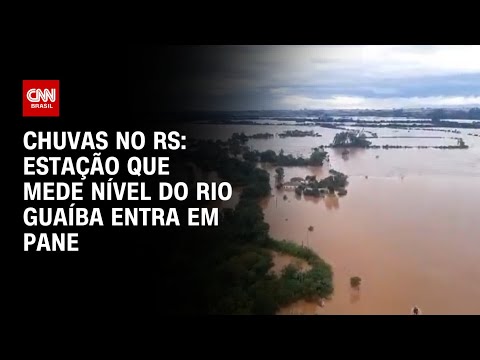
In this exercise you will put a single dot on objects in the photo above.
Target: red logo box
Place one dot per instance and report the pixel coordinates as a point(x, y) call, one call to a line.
point(41, 98)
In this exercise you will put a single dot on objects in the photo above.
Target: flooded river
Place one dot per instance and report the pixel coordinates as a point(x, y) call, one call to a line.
point(409, 225)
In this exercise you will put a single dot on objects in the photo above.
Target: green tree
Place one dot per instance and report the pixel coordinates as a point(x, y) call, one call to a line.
point(317, 157)
point(280, 174)
point(350, 139)
point(268, 156)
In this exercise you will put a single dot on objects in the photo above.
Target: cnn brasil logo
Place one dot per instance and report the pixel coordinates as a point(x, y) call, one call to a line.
point(41, 98)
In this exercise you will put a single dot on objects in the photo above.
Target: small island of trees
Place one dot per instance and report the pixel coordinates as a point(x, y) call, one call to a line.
point(350, 139)
point(336, 181)
point(317, 157)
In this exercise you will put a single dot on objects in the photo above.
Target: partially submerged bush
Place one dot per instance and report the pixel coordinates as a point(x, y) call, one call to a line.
point(355, 281)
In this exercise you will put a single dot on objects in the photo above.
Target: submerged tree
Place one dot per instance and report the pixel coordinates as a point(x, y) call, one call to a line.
point(310, 229)
point(355, 281)
point(461, 143)
point(280, 174)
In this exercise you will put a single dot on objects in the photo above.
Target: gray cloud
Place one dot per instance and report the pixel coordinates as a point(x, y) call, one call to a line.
point(279, 77)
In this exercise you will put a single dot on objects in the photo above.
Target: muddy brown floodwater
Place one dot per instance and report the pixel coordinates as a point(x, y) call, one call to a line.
point(413, 241)
point(409, 225)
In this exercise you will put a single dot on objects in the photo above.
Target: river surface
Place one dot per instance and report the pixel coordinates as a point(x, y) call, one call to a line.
point(409, 225)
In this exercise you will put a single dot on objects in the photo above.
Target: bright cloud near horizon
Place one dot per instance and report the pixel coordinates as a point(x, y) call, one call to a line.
point(342, 77)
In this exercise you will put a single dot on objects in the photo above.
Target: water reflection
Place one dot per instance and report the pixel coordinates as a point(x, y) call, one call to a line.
point(347, 154)
point(331, 202)
point(313, 199)
point(354, 295)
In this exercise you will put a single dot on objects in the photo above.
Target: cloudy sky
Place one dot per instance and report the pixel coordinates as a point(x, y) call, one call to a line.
point(339, 77)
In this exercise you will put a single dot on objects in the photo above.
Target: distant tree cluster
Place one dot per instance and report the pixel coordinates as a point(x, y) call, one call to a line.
point(434, 114)
point(350, 139)
point(261, 136)
point(298, 133)
point(439, 114)
point(317, 158)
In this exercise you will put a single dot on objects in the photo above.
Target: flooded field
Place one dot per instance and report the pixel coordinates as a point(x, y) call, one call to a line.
point(412, 241)
point(409, 225)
